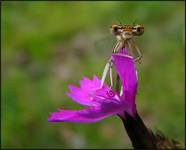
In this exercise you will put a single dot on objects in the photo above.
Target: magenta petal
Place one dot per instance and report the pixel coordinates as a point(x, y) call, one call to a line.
point(85, 95)
point(96, 81)
point(86, 84)
point(89, 85)
point(123, 51)
point(125, 68)
point(91, 114)
point(79, 96)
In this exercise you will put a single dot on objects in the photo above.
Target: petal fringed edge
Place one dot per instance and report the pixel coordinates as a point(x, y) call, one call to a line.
point(79, 96)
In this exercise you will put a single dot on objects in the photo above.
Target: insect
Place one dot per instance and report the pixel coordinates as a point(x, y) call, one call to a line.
point(124, 35)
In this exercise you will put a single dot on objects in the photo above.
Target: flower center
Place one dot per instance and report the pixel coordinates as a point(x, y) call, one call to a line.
point(110, 93)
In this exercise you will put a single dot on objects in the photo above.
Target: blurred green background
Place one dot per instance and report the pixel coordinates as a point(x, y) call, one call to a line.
point(48, 45)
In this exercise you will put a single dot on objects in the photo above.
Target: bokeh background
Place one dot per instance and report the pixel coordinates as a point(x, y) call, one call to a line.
point(48, 45)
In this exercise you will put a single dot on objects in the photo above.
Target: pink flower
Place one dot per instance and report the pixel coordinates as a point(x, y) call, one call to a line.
point(101, 101)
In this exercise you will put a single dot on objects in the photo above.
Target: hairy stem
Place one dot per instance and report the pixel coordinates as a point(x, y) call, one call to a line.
point(139, 134)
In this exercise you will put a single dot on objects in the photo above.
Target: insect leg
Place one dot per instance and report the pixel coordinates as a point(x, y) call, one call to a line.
point(117, 47)
point(138, 51)
point(105, 71)
point(139, 54)
point(121, 90)
point(111, 79)
point(129, 47)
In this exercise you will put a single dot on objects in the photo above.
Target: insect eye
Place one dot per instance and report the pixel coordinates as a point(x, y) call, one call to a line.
point(115, 29)
point(138, 29)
